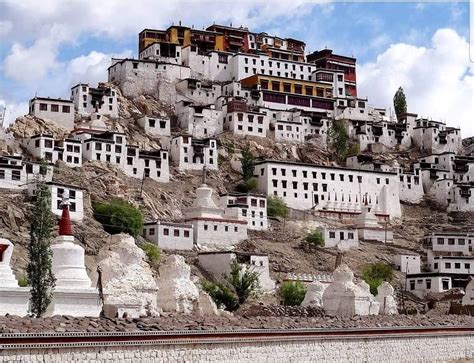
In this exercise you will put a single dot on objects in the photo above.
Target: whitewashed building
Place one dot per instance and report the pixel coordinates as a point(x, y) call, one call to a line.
point(242, 119)
point(308, 186)
point(155, 125)
point(74, 194)
point(101, 100)
point(450, 263)
point(18, 174)
point(170, 235)
point(197, 92)
point(248, 207)
point(409, 264)
point(163, 52)
point(342, 238)
point(189, 153)
point(60, 111)
point(200, 121)
point(422, 284)
point(219, 265)
point(45, 147)
point(450, 241)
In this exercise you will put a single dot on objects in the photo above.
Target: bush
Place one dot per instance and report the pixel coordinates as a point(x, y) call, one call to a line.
point(376, 273)
point(222, 295)
point(354, 149)
point(339, 139)
point(276, 207)
point(292, 293)
point(118, 216)
point(247, 186)
point(244, 281)
point(23, 281)
point(153, 252)
point(315, 238)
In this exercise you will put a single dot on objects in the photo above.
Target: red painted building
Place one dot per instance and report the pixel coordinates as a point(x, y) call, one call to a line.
point(326, 59)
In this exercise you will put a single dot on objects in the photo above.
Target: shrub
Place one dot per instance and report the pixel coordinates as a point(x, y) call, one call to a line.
point(23, 281)
point(292, 293)
point(152, 252)
point(222, 295)
point(315, 238)
point(247, 163)
point(118, 216)
point(376, 273)
point(247, 186)
point(276, 207)
point(354, 149)
point(244, 281)
point(230, 147)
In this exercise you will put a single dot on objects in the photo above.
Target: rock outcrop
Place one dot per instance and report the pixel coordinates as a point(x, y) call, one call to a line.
point(129, 287)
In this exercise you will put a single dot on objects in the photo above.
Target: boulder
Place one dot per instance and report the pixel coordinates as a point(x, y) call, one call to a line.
point(177, 292)
point(468, 298)
point(129, 286)
point(386, 299)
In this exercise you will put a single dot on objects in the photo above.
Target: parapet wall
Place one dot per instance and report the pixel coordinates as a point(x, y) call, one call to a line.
point(398, 347)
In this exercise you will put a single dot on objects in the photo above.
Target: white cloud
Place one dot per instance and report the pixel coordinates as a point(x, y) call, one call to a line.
point(438, 80)
point(12, 110)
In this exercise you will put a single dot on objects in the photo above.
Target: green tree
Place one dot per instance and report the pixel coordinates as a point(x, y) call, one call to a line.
point(247, 161)
point(315, 238)
point(276, 207)
point(221, 294)
point(39, 269)
point(339, 139)
point(400, 103)
point(243, 280)
point(376, 273)
point(247, 186)
point(118, 216)
point(292, 293)
point(153, 252)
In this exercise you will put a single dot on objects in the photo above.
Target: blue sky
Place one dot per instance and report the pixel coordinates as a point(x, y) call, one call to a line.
point(47, 49)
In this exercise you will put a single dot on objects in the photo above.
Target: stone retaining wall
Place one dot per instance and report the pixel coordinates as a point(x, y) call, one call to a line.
point(387, 349)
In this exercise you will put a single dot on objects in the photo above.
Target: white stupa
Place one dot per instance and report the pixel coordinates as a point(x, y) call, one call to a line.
point(73, 294)
point(13, 299)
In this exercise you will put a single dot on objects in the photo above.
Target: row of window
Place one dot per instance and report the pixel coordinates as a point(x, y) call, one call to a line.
point(451, 241)
point(166, 232)
point(215, 227)
point(54, 108)
point(270, 64)
point(457, 265)
point(314, 174)
point(16, 174)
point(278, 73)
point(332, 235)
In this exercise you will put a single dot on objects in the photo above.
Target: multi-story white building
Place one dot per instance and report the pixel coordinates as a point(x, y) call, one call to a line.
point(243, 120)
point(61, 112)
point(163, 52)
point(169, 235)
point(101, 100)
point(45, 147)
point(219, 263)
point(248, 207)
point(74, 194)
point(188, 153)
point(199, 121)
point(308, 186)
point(137, 77)
point(18, 174)
point(111, 147)
point(433, 136)
point(197, 92)
point(450, 241)
point(155, 126)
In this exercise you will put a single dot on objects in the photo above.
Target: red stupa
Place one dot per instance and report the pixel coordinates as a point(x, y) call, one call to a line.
point(65, 225)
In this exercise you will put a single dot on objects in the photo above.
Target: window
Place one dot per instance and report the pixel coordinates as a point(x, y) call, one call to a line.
point(43, 107)
point(206, 227)
point(236, 229)
point(176, 232)
point(350, 235)
point(457, 265)
point(450, 241)
point(440, 241)
point(447, 264)
point(151, 231)
point(428, 284)
point(461, 242)
point(166, 231)
point(332, 234)
point(186, 234)
point(54, 108)
point(98, 146)
point(2, 174)
point(151, 122)
point(412, 284)
point(16, 175)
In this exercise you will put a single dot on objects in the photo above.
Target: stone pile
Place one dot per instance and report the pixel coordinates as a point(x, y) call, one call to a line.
point(60, 324)
point(282, 311)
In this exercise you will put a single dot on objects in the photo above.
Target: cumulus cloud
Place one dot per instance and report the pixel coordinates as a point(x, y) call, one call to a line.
point(12, 110)
point(438, 80)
